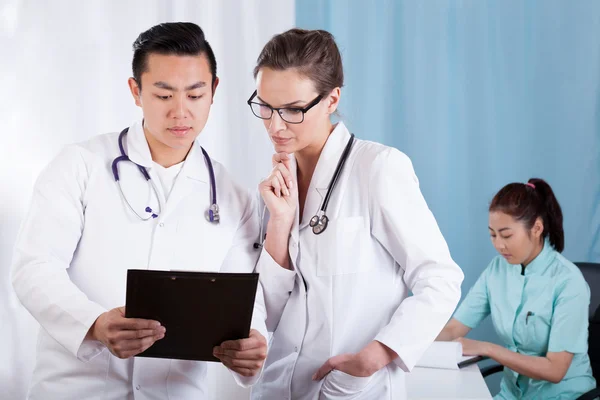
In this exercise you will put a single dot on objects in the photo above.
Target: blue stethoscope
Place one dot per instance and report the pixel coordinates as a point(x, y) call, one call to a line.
point(212, 214)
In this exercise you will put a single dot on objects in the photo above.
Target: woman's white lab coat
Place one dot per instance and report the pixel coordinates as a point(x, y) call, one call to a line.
point(77, 242)
point(350, 285)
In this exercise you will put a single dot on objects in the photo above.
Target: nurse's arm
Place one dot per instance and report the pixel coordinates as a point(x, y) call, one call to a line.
point(453, 330)
point(551, 368)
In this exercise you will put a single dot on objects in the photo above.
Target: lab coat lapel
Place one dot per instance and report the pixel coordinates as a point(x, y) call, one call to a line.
point(137, 146)
point(317, 190)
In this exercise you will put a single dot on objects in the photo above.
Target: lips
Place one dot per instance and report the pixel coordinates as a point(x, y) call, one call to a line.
point(280, 140)
point(179, 130)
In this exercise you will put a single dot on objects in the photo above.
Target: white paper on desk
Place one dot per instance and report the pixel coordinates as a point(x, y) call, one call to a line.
point(445, 355)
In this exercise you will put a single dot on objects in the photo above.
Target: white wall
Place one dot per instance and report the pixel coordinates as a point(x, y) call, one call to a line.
point(63, 78)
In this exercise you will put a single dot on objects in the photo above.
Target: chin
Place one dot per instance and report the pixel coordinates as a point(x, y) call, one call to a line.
point(288, 148)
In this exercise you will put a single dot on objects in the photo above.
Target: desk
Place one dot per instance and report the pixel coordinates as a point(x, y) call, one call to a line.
point(447, 384)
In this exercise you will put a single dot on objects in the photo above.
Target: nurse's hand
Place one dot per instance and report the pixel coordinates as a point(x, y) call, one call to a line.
point(244, 356)
point(125, 337)
point(279, 190)
point(473, 347)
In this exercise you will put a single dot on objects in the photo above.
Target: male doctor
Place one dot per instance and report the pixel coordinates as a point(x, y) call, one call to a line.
point(84, 230)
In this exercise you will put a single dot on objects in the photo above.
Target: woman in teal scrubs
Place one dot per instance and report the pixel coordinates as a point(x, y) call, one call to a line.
point(537, 298)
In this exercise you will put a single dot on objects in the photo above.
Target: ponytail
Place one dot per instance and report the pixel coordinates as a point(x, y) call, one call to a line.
point(529, 201)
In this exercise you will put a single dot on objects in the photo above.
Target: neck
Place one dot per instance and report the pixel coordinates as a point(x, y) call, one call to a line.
point(535, 253)
point(307, 158)
point(162, 154)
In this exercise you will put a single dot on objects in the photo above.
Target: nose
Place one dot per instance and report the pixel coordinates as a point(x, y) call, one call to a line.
point(276, 123)
point(178, 110)
point(499, 244)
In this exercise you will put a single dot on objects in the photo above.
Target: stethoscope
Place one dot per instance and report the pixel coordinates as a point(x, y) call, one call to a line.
point(319, 221)
point(212, 214)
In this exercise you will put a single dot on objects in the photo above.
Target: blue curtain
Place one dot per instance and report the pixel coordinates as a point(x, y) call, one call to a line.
point(478, 94)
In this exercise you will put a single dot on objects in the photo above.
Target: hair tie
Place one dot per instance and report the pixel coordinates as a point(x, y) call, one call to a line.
point(530, 185)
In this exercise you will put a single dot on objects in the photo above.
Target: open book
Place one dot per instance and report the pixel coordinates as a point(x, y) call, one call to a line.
point(446, 355)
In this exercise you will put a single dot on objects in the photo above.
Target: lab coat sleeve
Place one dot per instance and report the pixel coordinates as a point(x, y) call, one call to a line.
point(242, 257)
point(278, 283)
point(476, 305)
point(569, 325)
point(402, 222)
point(43, 252)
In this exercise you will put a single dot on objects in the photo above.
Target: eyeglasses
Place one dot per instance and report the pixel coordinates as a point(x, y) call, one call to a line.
point(291, 115)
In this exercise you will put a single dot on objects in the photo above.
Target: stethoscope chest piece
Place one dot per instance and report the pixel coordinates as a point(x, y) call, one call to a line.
point(319, 223)
point(212, 214)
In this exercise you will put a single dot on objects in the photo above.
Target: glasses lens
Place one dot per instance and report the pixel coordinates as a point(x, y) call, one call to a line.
point(261, 111)
point(292, 115)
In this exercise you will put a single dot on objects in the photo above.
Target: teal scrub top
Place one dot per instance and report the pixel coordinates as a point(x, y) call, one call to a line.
point(541, 309)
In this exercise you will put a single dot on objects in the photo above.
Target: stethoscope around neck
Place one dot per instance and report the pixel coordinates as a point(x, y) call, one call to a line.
point(212, 214)
point(319, 221)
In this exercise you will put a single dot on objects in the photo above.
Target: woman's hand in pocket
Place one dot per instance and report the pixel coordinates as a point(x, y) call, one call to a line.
point(362, 364)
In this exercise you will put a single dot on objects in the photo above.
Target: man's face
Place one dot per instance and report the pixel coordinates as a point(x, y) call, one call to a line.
point(175, 97)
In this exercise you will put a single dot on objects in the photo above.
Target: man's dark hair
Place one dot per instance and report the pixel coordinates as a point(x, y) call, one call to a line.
point(171, 38)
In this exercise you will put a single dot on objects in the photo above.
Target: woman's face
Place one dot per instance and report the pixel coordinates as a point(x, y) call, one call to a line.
point(512, 239)
point(289, 89)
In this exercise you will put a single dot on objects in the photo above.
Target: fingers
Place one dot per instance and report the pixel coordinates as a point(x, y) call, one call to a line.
point(135, 324)
point(231, 363)
point(275, 185)
point(284, 174)
point(256, 334)
point(259, 353)
point(130, 348)
point(250, 343)
point(282, 183)
point(280, 158)
point(140, 333)
point(324, 370)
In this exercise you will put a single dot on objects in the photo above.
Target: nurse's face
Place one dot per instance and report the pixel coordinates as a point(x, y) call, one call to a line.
point(288, 88)
point(512, 239)
point(175, 97)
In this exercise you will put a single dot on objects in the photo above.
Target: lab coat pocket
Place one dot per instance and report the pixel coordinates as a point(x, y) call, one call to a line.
point(340, 385)
point(341, 248)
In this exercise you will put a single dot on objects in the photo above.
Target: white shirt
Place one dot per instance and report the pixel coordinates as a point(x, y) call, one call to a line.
point(350, 284)
point(167, 176)
point(77, 242)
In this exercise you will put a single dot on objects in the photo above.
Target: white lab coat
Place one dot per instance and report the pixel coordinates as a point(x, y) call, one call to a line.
point(77, 242)
point(350, 285)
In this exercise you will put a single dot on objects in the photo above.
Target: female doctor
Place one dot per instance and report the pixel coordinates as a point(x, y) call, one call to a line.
point(538, 300)
point(349, 235)
point(135, 200)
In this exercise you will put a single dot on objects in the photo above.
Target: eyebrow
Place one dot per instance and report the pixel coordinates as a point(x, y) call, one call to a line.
point(166, 86)
point(500, 230)
point(293, 103)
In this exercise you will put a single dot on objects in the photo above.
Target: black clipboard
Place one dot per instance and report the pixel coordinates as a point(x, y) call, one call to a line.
point(200, 310)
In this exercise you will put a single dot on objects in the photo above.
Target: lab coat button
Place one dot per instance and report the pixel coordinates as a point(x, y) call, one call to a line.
point(162, 224)
point(296, 349)
point(137, 387)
